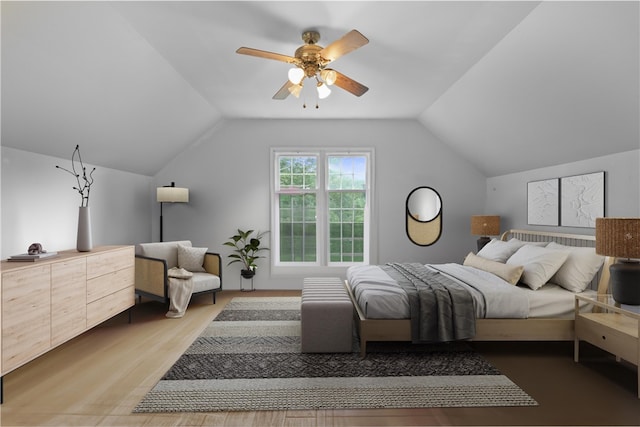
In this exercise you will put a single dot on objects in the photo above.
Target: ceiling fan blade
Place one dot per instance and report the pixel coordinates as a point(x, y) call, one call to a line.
point(349, 42)
point(350, 85)
point(284, 91)
point(264, 54)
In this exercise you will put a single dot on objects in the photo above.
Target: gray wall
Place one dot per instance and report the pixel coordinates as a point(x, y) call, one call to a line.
point(39, 204)
point(507, 194)
point(227, 173)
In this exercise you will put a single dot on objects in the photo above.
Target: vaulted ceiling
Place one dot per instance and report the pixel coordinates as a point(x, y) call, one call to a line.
point(510, 85)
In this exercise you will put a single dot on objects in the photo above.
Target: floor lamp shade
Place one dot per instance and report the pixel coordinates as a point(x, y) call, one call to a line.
point(485, 225)
point(620, 238)
point(170, 194)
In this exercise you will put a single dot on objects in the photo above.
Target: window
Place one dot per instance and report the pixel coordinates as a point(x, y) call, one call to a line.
point(321, 208)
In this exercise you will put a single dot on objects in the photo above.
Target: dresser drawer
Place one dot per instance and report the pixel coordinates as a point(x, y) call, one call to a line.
point(68, 299)
point(109, 261)
point(109, 283)
point(107, 307)
point(26, 315)
point(606, 338)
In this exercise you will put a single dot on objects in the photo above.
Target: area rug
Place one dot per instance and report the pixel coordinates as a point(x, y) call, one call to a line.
point(249, 359)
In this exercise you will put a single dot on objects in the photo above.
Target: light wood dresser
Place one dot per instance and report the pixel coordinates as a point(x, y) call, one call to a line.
point(47, 302)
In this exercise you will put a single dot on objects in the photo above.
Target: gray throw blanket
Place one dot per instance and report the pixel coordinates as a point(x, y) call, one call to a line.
point(441, 309)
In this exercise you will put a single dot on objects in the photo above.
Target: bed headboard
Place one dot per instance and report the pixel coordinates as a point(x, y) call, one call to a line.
point(600, 282)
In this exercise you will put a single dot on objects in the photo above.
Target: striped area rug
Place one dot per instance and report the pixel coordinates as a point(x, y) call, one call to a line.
point(249, 359)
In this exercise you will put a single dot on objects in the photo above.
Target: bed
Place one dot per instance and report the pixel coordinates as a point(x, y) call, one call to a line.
point(551, 306)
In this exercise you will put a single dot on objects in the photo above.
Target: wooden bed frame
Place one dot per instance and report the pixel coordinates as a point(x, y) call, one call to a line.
point(532, 329)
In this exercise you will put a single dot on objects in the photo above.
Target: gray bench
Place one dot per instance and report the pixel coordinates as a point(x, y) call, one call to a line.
point(326, 316)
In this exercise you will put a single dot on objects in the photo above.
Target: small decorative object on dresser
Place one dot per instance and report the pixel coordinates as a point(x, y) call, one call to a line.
point(85, 180)
point(34, 253)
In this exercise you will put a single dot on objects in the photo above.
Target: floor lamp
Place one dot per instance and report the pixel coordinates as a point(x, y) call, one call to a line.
point(170, 194)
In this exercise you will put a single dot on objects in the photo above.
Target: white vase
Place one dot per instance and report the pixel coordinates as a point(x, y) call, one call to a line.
point(84, 242)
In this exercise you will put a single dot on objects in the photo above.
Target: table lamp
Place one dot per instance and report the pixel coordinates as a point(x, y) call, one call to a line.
point(620, 238)
point(485, 226)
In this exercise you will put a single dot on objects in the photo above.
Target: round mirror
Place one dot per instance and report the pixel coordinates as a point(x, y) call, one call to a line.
point(424, 216)
point(424, 204)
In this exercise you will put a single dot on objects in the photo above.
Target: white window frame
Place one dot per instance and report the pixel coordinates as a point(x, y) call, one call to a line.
point(322, 264)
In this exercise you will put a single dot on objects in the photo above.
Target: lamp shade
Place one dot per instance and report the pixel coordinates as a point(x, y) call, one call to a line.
point(323, 91)
point(329, 76)
point(618, 237)
point(172, 195)
point(485, 225)
point(295, 75)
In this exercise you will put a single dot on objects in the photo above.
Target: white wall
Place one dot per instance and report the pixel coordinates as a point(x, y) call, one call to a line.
point(507, 194)
point(39, 204)
point(227, 173)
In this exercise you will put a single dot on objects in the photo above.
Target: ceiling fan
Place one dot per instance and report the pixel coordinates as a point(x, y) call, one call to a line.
point(311, 62)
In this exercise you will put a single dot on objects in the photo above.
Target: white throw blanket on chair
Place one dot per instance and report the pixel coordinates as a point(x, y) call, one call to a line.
point(180, 289)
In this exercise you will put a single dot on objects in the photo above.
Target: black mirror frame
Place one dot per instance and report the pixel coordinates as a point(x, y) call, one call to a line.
point(411, 222)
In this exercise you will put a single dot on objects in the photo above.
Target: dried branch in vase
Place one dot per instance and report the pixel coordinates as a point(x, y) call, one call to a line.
point(84, 181)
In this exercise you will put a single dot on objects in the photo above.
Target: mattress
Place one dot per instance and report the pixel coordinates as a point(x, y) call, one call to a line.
point(380, 297)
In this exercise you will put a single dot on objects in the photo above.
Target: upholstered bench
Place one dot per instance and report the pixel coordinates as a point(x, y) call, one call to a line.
point(326, 316)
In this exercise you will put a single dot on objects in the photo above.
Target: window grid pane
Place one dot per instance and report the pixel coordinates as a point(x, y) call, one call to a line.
point(297, 173)
point(347, 172)
point(346, 226)
point(297, 227)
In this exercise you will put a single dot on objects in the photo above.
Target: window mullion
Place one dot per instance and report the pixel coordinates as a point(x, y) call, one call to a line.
point(321, 212)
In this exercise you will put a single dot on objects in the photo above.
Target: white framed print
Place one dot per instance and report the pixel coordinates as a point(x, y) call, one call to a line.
point(543, 202)
point(582, 199)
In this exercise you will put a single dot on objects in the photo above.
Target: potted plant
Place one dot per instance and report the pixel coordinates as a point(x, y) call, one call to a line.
point(247, 247)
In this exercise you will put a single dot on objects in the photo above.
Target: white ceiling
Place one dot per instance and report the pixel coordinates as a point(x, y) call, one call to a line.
point(512, 85)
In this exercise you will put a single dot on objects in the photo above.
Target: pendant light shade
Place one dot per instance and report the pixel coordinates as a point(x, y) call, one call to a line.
point(329, 76)
point(323, 90)
point(296, 75)
point(295, 90)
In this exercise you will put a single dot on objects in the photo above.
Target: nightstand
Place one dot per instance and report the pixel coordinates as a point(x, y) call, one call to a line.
point(609, 326)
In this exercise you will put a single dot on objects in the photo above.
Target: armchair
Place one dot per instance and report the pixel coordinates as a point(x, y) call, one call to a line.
point(153, 260)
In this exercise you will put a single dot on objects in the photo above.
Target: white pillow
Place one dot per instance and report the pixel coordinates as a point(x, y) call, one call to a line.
point(578, 270)
point(191, 259)
point(499, 251)
point(540, 263)
point(509, 273)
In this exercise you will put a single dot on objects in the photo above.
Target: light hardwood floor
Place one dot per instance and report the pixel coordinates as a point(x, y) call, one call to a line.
point(98, 378)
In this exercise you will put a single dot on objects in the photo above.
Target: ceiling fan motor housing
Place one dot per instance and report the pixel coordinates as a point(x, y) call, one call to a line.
point(310, 60)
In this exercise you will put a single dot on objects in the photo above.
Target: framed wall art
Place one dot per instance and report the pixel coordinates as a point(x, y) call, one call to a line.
point(543, 202)
point(582, 199)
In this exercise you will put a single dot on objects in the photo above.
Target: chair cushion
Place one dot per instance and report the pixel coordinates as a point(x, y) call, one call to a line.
point(163, 250)
point(190, 258)
point(205, 282)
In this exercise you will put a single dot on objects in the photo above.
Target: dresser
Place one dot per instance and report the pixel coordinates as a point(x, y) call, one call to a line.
point(47, 302)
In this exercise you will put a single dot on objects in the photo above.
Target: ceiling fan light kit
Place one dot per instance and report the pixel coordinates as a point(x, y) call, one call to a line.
point(296, 75)
point(310, 61)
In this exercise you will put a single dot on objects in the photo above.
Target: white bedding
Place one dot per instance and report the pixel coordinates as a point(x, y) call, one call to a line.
point(380, 297)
